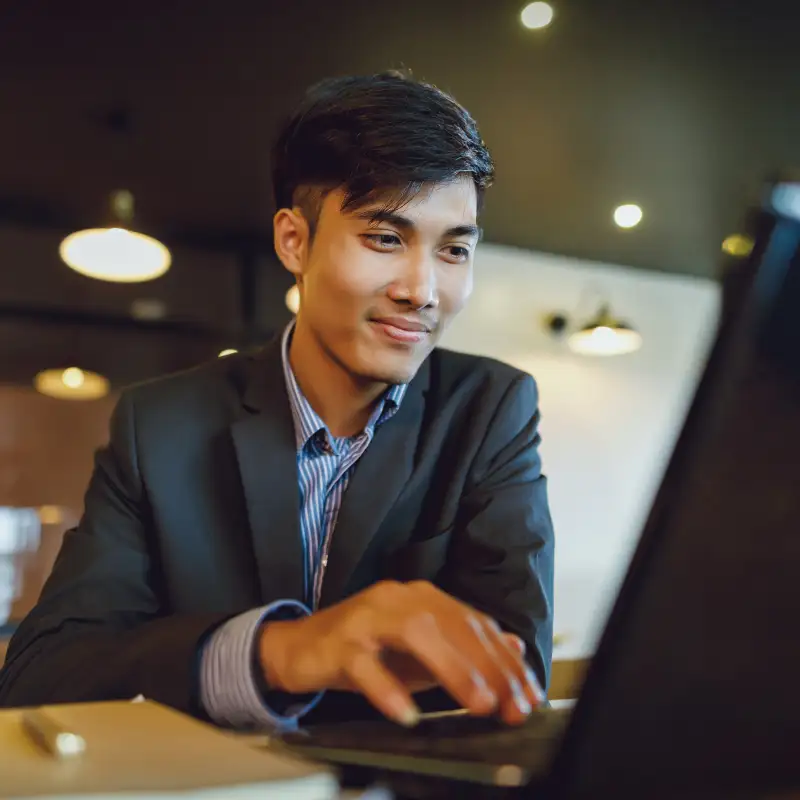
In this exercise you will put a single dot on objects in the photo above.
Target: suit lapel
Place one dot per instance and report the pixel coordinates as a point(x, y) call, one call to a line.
point(266, 452)
point(376, 483)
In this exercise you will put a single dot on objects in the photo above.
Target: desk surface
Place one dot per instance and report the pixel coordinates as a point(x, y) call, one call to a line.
point(148, 748)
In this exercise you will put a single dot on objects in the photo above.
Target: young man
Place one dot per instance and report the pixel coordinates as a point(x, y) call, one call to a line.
point(346, 509)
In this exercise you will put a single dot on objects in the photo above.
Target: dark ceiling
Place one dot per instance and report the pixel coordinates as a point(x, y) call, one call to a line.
point(681, 107)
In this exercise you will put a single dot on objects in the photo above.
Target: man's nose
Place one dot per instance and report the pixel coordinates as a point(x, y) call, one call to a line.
point(418, 285)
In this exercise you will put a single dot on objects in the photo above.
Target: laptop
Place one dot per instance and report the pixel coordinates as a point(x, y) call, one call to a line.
point(695, 684)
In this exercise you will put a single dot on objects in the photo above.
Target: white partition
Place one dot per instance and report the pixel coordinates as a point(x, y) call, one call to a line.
point(608, 424)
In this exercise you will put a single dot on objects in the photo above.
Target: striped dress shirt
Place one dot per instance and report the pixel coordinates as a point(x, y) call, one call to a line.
point(229, 691)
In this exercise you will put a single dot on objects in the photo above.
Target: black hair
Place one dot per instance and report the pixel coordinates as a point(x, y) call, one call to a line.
point(373, 136)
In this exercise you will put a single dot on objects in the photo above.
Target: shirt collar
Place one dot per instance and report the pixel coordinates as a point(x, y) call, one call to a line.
point(307, 423)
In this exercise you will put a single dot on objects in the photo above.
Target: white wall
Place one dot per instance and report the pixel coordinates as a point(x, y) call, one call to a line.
point(608, 424)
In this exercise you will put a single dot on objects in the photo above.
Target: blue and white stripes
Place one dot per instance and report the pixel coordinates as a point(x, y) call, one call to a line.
point(324, 467)
point(228, 691)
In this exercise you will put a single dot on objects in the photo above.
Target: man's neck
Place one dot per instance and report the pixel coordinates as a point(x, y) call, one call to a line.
point(343, 402)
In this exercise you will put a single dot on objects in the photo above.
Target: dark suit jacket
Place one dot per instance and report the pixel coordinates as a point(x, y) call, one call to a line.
point(192, 516)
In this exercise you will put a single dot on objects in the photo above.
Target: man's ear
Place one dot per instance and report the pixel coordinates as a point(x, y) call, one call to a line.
point(292, 236)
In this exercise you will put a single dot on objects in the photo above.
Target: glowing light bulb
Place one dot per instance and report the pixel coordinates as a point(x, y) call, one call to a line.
point(73, 378)
point(738, 246)
point(71, 383)
point(628, 216)
point(537, 15)
point(115, 254)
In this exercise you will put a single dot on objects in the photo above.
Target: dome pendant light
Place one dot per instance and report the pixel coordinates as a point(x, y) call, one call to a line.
point(605, 336)
point(71, 383)
point(116, 253)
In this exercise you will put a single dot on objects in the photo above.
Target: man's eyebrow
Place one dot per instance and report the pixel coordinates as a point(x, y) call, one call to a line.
point(465, 230)
point(377, 216)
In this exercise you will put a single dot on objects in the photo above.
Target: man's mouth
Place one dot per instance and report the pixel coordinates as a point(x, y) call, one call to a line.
point(403, 329)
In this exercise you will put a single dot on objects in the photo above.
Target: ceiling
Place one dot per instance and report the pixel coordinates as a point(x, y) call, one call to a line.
point(681, 107)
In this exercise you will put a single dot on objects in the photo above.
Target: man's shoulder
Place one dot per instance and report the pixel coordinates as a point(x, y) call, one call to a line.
point(469, 396)
point(463, 373)
point(214, 383)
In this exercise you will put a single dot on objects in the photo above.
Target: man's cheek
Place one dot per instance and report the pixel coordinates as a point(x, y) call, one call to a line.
point(458, 298)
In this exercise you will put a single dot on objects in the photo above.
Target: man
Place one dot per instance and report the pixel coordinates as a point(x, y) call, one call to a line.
point(346, 509)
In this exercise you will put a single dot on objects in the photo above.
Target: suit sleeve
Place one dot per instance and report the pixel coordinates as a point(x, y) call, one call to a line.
point(502, 552)
point(101, 629)
point(233, 689)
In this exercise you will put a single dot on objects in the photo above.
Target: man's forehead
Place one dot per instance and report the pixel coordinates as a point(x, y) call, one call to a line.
point(450, 204)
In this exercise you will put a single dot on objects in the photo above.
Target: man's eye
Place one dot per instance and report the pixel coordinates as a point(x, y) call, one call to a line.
point(457, 253)
point(383, 241)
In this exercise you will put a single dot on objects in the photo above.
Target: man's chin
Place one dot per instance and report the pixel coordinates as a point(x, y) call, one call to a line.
point(380, 361)
point(392, 377)
point(392, 369)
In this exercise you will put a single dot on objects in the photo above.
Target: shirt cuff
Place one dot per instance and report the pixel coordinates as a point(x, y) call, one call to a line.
point(231, 692)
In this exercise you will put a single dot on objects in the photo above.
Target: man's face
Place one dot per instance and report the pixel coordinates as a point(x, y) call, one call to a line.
point(377, 290)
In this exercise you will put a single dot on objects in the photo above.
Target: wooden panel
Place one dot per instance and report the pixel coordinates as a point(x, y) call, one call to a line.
point(46, 457)
point(567, 678)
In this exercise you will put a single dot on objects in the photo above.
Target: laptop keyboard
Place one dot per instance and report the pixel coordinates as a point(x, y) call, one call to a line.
point(457, 738)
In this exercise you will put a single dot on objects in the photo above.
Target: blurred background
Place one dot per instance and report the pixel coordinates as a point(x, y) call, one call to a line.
point(629, 139)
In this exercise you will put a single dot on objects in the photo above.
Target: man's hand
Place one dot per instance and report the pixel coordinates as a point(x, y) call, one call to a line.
point(394, 639)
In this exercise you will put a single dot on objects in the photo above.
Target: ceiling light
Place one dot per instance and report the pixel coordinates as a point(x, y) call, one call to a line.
point(293, 299)
point(116, 253)
point(71, 384)
point(229, 352)
point(605, 336)
point(537, 15)
point(738, 246)
point(628, 216)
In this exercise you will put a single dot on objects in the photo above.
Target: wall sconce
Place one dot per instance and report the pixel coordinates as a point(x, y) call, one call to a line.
point(603, 335)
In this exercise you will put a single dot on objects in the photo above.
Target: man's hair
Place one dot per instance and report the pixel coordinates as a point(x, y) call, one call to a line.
point(375, 136)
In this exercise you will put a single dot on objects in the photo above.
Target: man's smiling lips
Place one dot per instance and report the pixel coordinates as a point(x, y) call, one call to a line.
point(402, 329)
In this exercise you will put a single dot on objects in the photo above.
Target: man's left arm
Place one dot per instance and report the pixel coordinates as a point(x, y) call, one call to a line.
point(502, 553)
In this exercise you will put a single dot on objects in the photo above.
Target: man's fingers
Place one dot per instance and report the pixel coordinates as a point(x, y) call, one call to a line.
point(501, 667)
point(512, 651)
point(480, 641)
point(367, 675)
point(452, 669)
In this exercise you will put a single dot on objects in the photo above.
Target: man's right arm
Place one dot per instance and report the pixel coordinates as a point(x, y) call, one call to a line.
point(233, 688)
point(99, 630)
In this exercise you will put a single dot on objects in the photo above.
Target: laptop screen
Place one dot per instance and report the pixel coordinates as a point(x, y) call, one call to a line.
point(695, 678)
